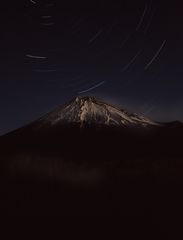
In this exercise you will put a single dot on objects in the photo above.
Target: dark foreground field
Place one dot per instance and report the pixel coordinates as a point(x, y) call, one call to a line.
point(137, 176)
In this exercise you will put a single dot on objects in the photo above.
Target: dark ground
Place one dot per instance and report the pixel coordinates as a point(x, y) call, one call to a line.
point(134, 175)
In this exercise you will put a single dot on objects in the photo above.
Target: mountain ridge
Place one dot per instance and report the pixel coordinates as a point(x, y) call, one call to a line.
point(89, 110)
point(74, 115)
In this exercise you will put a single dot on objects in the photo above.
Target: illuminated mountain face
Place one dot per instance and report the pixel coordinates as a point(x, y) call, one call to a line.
point(88, 110)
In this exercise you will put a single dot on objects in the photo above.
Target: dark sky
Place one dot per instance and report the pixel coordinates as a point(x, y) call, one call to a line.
point(126, 52)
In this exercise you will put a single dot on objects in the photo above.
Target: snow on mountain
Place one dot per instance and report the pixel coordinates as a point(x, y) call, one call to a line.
point(88, 110)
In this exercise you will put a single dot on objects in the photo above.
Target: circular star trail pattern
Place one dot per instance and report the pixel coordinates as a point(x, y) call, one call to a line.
point(86, 39)
point(119, 51)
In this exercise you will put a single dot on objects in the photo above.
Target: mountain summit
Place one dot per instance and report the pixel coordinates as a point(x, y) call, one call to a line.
point(89, 110)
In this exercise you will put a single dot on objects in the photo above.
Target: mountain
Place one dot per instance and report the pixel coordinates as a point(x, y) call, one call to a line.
point(89, 110)
point(91, 158)
point(91, 130)
point(88, 122)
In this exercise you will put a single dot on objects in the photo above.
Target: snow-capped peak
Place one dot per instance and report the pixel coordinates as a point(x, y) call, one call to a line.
point(89, 110)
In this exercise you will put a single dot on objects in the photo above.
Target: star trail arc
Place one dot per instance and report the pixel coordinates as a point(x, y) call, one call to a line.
point(35, 56)
point(156, 55)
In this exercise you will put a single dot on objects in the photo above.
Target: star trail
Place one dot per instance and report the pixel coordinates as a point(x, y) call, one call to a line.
point(156, 55)
point(36, 57)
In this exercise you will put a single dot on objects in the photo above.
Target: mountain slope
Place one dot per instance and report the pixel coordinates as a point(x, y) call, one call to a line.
point(93, 125)
point(88, 110)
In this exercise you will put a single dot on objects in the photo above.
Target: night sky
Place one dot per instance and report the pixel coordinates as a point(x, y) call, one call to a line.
point(128, 53)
